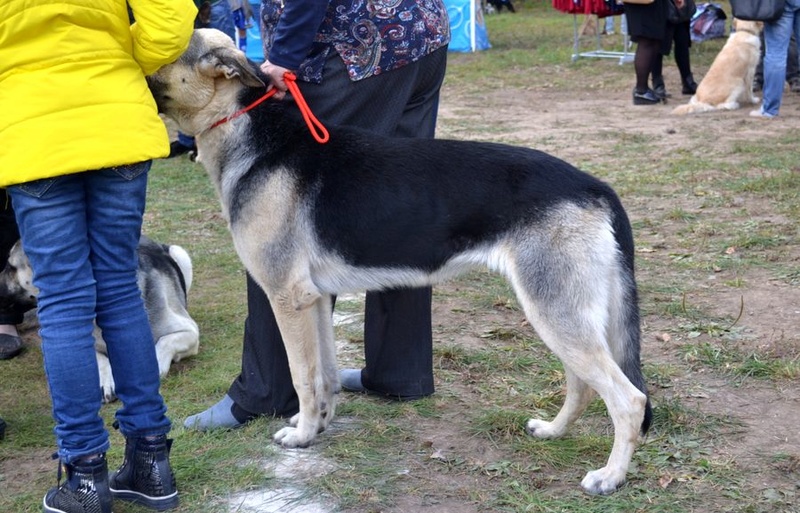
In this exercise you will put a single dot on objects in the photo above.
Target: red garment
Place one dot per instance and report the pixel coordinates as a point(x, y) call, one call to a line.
point(598, 7)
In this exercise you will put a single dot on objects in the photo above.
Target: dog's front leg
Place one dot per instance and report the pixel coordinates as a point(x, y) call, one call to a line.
point(307, 344)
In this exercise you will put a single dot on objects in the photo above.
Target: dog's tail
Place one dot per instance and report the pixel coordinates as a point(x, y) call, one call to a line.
point(693, 107)
point(625, 329)
point(184, 262)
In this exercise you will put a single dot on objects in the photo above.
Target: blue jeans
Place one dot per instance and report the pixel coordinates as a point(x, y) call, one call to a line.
point(222, 18)
point(776, 37)
point(81, 232)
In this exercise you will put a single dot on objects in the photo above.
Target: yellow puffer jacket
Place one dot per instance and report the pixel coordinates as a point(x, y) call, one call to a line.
point(72, 91)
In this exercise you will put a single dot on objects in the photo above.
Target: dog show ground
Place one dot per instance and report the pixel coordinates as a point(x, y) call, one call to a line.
point(714, 206)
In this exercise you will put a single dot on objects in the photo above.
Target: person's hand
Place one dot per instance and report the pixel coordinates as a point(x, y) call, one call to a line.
point(275, 74)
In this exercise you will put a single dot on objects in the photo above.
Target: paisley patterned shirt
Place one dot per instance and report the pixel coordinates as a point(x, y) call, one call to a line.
point(371, 36)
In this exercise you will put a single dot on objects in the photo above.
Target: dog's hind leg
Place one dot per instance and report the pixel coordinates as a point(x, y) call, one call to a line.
point(577, 294)
point(590, 364)
point(578, 397)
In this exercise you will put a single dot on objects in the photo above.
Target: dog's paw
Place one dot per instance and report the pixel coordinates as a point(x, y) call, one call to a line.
point(603, 481)
point(294, 420)
point(292, 437)
point(755, 100)
point(107, 385)
point(542, 429)
point(109, 395)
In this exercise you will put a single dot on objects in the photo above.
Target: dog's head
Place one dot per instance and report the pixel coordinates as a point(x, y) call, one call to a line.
point(17, 291)
point(202, 85)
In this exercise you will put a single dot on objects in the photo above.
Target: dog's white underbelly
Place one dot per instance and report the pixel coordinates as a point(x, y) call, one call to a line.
point(332, 275)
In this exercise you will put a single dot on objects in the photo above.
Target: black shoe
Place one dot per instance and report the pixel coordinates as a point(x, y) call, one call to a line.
point(648, 97)
point(145, 476)
point(176, 149)
point(689, 86)
point(2, 429)
point(10, 346)
point(84, 491)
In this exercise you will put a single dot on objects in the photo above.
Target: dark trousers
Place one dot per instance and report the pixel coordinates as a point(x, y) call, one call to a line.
point(397, 328)
point(679, 34)
point(9, 234)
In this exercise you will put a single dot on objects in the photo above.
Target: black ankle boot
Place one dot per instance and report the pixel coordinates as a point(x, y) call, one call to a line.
point(659, 88)
point(689, 85)
point(145, 476)
point(85, 490)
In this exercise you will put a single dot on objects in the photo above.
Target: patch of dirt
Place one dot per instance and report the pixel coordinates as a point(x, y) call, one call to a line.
point(588, 129)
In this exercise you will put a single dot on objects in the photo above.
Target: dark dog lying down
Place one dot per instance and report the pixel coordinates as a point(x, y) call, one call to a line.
point(164, 276)
point(362, 213)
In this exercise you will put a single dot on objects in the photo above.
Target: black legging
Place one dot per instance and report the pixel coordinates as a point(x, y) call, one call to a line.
point(680, 35)
point(648, 53)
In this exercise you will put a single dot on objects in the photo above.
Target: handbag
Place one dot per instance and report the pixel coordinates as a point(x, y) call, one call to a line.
point(682, 15)
point(757, 10)
point(638, 2)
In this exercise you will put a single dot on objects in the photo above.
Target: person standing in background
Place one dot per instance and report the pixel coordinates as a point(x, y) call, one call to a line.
point(678, 31)
point(777, 35)
point(78, 133)
point(647, 26)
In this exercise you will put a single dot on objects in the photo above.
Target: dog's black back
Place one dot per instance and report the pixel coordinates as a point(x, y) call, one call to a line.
point(499, 186)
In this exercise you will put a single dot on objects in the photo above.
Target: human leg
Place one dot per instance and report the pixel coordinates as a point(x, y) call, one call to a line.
point(397, 329)
point(683, 41)
point(115, 205)
point(51, 216)
point(647, 52)
point(758, 77)
point(10, 313)
point(776, 38)
point(52, 221)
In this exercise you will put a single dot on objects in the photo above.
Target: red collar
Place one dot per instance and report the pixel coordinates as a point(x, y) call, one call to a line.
point(238, 113)
point(318, 130)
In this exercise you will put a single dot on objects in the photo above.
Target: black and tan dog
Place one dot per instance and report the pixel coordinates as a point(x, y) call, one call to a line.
point(164, 276)
point(362, 212)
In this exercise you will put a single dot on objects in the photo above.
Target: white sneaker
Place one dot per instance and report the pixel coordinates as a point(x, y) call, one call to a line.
point(759, 114)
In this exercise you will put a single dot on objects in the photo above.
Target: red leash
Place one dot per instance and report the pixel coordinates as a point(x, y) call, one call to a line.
point(317, 129)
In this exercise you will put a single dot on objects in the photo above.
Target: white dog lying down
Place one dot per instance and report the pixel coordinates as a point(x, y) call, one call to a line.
point(164, 276)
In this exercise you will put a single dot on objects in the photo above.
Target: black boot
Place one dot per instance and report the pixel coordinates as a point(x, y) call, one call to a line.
point(85, 490)
point(659, 88)
point(145, 476)
point(689, 85)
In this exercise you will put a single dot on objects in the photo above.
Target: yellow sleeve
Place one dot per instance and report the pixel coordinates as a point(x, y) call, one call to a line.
point(161, 31)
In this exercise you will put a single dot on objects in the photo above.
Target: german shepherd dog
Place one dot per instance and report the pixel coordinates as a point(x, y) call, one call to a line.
point(164, 277)
point(362, 212)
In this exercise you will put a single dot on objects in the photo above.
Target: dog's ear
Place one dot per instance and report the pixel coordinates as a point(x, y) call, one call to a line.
point(229, 63)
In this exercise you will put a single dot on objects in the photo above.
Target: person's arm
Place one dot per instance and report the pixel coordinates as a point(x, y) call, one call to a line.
point(294, 36)
point(161, 32)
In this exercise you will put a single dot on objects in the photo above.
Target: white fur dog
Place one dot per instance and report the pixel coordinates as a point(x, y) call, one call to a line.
point(164, 277)
point(729, 81)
